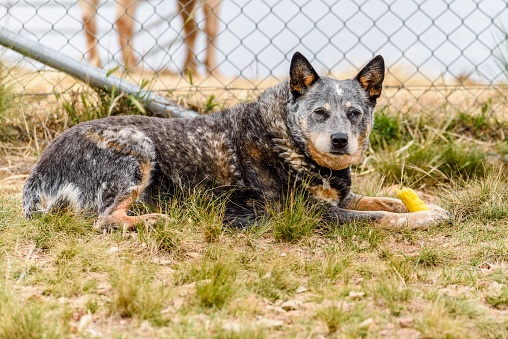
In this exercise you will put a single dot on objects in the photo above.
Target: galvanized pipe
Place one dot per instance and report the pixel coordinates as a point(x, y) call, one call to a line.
point(90, 74)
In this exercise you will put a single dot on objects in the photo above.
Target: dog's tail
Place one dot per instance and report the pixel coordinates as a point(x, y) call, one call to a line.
point(31, 198)
point(54, 196)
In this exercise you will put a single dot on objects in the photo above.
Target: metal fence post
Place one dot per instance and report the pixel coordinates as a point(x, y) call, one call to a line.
point(92, 75)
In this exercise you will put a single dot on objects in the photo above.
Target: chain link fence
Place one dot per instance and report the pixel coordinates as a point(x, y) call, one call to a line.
point(440, 54)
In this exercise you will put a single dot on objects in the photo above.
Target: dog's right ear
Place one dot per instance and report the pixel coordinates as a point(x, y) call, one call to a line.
point(301, 75)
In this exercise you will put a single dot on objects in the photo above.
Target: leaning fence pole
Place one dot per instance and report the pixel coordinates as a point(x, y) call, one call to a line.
point(92, 75)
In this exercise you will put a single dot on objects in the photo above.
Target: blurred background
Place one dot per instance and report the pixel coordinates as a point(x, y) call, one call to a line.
point(439, 53)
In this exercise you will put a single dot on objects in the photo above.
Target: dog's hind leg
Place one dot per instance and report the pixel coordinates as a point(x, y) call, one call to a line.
point(117, 216)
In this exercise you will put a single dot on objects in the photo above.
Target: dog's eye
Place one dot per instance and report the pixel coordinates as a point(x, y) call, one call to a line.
point(321, 111)
point(354, 112)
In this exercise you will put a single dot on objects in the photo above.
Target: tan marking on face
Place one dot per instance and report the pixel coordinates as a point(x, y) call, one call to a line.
point(328, 106)
point(348, 104)
point(335, 162)
point(321, 193)
point(303, 124)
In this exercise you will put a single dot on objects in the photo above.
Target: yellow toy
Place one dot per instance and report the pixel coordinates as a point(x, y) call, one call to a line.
point(411, 200)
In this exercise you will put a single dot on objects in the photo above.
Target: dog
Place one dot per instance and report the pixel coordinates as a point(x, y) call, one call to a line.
point(302, 133)
point(125, 23)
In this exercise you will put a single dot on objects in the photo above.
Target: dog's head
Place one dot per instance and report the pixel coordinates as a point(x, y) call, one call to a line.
point(332, 119)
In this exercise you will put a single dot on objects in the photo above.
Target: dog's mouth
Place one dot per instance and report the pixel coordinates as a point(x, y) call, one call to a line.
point(338, 153)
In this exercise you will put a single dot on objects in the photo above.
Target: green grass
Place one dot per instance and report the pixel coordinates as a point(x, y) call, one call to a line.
point(422, 150)
point(296, 219)
point(218, 286)
point(394, 293)
point(135, 294)
point(10, 128)
point(28, 319)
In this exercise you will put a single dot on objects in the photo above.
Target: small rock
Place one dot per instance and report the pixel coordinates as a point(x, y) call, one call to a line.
point(161, 261)
point(496, 287)
point(406, 322)
point(186, 289)
point(201, 317)
point(292, 305)
point(283, 254)
point(408, 333)
point(113, 249)
point(388, 330)
point(84, 321)
point(232, 326)
point(366, 323)
point(193, 255)
point(449, 292)
point(35, 296)
point(485, 265)
point(356, 295)
point(269, 323)
point(389, 326)
point(178, 303)
point(487, 268)
point(103, 288)
point(93, 333)
point(275, 309)
point(169, 310)
point(301, 289)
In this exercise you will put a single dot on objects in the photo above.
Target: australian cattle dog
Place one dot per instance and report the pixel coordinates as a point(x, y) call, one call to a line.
point(307, 132)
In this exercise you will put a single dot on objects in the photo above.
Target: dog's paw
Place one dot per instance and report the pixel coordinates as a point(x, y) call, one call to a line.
point(440, 210)
point(425, 219)
point(416, 220)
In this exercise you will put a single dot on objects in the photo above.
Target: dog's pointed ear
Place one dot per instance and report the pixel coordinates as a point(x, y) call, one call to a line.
point(301, 75)
point(371, 77)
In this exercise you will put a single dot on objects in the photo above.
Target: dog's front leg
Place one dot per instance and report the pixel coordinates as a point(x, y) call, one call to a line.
point(388, 220)
point(363, 203)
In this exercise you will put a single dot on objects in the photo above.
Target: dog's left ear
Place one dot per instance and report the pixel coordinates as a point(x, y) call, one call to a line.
point(301, 75)
point(371, 77)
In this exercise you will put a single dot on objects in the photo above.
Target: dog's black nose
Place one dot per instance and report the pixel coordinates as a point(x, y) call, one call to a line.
point(339, 140)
